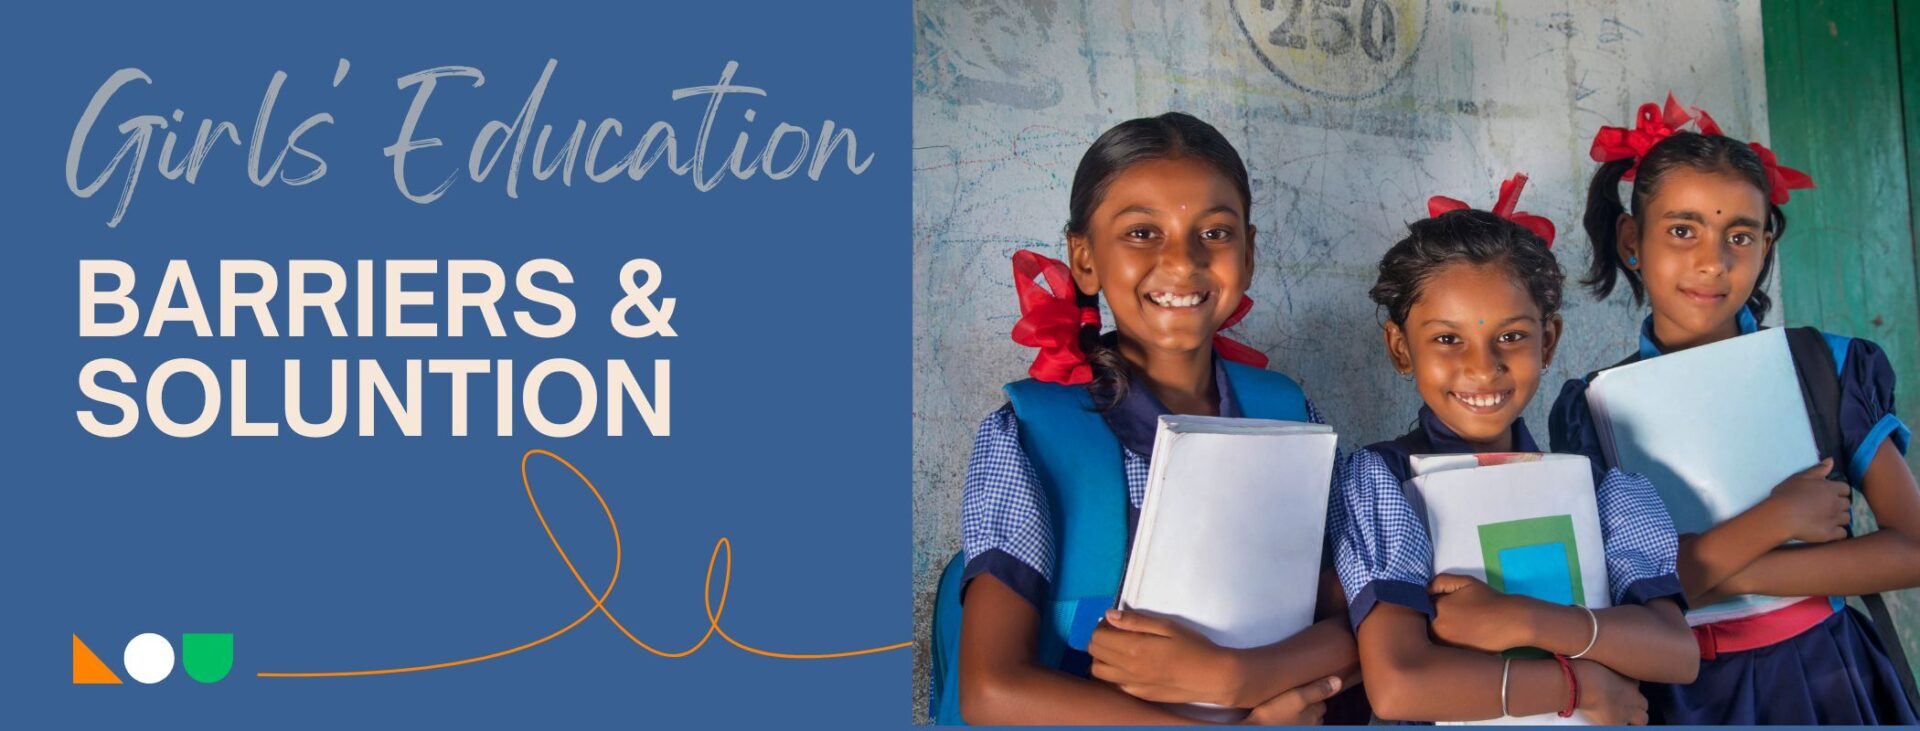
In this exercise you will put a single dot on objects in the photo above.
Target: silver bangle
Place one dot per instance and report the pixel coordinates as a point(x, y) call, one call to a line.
point(1506, 673)
point(1591, 641)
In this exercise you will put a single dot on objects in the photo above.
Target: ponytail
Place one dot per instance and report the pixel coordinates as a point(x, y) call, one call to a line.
point(1602, 222)
point(1110, 375)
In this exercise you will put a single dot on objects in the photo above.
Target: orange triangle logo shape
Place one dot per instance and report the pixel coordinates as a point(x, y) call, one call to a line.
point(87, 668)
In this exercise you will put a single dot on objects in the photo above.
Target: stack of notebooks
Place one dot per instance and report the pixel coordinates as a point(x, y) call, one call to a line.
point(1231, 530)
point(1525, 523)
point(1715, 428)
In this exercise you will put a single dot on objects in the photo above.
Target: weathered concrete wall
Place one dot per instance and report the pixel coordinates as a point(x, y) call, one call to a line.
point(1346, 135)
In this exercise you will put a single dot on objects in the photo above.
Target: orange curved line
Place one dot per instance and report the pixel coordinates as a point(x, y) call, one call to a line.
point(599, 598)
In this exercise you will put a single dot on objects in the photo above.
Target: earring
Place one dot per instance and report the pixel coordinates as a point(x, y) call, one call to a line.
point(1633, 261)
point(1406, 376)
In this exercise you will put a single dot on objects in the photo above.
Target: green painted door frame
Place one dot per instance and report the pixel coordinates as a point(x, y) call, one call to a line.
point(1843, 97)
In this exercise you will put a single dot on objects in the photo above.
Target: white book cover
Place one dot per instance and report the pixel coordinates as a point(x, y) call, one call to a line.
point(1715, 428)
point(1231, 530)
point(1525, 523)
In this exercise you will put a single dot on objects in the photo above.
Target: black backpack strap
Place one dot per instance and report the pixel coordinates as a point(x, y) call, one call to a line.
point(1396, 452)
point(1631, 359)
point(1820, 386)
point(1889, 636)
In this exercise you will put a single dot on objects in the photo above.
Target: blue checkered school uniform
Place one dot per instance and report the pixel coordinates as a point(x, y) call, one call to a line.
point(1835, 672)
point(1384, 553)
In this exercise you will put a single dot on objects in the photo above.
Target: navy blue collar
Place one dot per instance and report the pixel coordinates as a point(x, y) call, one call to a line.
point(1650, 348)
point(1445, 441)
point(1136, 419)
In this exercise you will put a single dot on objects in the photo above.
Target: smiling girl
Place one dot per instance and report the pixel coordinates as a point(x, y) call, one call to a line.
point(1472, 317)
point(1696, 245)
point(1158, 225)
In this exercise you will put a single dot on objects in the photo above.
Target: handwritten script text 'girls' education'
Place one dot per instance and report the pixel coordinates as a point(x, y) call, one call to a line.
point(783, 149)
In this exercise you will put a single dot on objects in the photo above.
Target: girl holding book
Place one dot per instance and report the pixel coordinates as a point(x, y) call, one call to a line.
point(1696, 240)
point(1471, 301)
point(1159, 223)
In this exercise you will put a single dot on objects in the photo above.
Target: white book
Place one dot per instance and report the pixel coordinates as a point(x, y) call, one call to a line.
point(1525, 523)
point(1715, 428)
point(1231, 529)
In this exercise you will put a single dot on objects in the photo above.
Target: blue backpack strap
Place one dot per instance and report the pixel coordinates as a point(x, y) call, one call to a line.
point(1078, 460)
point(1079, 464)
point(1265, 394)
point(943, 701)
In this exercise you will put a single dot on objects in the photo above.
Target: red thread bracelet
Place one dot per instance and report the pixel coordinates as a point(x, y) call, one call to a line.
point(1573, 686)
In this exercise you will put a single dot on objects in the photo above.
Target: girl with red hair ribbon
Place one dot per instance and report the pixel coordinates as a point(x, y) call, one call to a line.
point(1470, 302)
point(1695, 241)
point(1159, 228)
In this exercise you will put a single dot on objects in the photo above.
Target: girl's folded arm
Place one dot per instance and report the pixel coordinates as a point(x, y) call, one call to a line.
point(1708, 560)
point(1648, 642)
point(1711, 558)
point(1322, 650)
point(1408, 678)
point(1000, 682)
point(1884, 560)
point(1160, 660)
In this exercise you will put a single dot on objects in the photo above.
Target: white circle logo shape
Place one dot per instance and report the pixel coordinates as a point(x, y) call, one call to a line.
point(149, 658)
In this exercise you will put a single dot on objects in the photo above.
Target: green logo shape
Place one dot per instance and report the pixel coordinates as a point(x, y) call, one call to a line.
point(207, 656)
point(1535, 557)
point(1519, 542)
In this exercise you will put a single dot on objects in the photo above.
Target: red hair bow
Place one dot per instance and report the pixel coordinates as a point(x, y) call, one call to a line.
point(1780, 178)
point(1655, 123)
point(1503, 207)
point(1652, 124)
point(1235, 350)
point(1050, 319)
